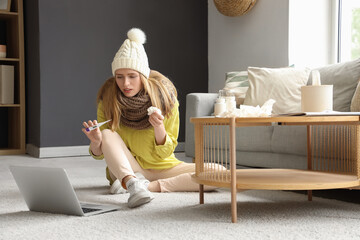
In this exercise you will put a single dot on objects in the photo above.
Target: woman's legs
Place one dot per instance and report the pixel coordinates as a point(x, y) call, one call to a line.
point(122, 165)
point(120, 161)
point(175, 179)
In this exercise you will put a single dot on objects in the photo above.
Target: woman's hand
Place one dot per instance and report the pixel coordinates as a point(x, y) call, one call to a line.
point(94, 136)
point(157, 121)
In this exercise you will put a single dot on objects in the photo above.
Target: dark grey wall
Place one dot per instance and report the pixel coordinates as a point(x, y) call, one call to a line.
point(32, 71)
point(69, 56)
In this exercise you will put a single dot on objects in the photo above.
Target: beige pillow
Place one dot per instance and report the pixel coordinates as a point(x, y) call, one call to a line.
point(281, 84)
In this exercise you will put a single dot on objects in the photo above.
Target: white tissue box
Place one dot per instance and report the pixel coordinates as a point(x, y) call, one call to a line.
point(317, 98)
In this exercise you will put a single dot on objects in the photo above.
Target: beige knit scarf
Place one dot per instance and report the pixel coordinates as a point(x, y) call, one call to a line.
point(134, 110)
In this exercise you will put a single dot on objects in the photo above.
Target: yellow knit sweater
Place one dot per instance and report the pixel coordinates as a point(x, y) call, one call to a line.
point(142, 145)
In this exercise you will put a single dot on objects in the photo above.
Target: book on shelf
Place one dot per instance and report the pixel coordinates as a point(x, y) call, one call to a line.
point(5, 5)
point(323, 113)
point(6, 84)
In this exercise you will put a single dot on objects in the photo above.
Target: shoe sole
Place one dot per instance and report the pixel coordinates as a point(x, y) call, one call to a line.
point(140, 199)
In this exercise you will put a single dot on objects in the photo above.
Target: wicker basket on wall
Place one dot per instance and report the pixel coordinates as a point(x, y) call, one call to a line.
point(233, 8)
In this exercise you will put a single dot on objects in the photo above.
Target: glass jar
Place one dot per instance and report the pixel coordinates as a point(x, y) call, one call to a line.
point(220, 106)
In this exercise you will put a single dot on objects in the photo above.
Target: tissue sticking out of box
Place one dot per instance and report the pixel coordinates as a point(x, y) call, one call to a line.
point(250, 111)
point(315, 76)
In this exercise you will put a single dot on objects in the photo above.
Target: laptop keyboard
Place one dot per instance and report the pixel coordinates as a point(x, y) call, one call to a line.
point(87, 210)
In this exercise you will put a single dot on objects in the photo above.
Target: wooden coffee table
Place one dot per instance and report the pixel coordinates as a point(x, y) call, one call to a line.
point(332, 155)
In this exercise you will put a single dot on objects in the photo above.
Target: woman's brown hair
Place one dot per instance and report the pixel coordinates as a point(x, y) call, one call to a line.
point(161, 90)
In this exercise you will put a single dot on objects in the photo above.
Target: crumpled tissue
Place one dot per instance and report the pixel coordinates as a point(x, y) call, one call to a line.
point(151, 110)
point(250, 111)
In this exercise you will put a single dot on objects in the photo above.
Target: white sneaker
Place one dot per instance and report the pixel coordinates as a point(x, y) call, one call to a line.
point(116, 187)
point(142, 179)
point(139, 194)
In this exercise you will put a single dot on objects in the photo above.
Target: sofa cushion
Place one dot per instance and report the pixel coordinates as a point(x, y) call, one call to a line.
point(239, 79)
point(281, 84)
point(289, 140)
point(238, 84)
point(355, 102)
point(254, 139)
point(271, 160)
point(344, 77)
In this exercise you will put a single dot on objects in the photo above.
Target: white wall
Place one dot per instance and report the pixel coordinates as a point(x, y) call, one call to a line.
point(311, 31)
point(258, 38)
point(275, 33)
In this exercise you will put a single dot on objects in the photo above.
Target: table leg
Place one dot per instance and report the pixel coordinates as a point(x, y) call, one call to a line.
point(199, 156)
point(309, 156)
point(233, 205)
point(233, 171)
point(309, 192)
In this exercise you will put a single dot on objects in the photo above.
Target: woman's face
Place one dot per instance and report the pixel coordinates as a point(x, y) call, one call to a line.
point(128, 81)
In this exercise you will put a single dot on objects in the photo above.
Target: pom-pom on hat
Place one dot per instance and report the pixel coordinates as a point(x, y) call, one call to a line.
point(132, 53)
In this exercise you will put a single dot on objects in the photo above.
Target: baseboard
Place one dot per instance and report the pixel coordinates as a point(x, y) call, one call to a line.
point(70, 151)
point(49, 152)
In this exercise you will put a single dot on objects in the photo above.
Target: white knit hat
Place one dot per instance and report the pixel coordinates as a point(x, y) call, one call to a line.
point(132, 53)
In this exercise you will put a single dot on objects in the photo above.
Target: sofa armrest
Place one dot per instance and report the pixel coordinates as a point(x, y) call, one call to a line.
point(197, 105)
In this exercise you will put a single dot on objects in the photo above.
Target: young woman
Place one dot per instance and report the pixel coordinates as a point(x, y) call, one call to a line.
point(134, 141)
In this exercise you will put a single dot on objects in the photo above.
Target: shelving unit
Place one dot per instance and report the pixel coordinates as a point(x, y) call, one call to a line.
point(12, 116)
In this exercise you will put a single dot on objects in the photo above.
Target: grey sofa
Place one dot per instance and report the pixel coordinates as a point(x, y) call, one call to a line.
point(277, 146)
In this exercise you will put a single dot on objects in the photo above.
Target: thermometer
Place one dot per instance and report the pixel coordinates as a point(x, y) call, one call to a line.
point(96, 126)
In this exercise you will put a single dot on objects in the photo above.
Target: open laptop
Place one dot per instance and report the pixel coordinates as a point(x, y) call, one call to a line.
point(49, 190)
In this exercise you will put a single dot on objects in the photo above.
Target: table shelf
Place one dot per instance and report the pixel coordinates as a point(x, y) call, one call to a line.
point(279, 179)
